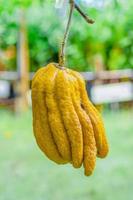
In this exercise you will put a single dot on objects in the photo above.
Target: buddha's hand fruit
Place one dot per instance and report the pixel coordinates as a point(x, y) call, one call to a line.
point(67, 127)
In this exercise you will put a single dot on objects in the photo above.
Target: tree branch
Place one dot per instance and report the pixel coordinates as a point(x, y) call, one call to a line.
point(89, 20)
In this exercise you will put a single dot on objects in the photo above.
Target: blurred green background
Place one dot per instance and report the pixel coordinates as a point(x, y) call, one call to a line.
point(26, 174)
point(111, 37)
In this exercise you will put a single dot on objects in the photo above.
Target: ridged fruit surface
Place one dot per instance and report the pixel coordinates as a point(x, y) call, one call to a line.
point(67, 127)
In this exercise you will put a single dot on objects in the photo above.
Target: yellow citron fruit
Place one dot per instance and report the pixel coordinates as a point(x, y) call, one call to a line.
point(67, 127)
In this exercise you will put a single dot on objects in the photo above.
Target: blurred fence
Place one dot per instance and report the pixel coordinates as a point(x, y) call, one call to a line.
point(88, 76)
point(103, 87)
point(110, 86)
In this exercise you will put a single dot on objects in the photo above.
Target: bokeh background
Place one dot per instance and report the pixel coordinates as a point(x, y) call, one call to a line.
point(30, 37)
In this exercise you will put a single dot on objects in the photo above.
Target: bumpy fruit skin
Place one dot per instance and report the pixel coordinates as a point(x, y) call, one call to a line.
point(67, 127)
point(54, 116)
point(70, 117)
point(96, 119)
point(41, 126)
point(89, 144)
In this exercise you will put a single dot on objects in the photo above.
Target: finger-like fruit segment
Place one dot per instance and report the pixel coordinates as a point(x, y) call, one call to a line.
point(99, 130)
point(70, 118)
point(54, 116)
point(89, 150)
point(41, 125)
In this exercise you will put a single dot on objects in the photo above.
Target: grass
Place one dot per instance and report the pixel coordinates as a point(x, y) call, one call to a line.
point(26, 174)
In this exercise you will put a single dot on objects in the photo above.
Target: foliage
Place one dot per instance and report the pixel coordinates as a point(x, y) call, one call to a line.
point(111, 37)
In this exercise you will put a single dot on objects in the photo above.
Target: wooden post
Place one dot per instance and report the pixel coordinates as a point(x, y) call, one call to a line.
point(99, 66)
point(23, 65)
point(98, 63)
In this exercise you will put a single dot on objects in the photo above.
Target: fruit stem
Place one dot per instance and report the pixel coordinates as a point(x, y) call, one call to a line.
point(73, 5)
point(65, 38)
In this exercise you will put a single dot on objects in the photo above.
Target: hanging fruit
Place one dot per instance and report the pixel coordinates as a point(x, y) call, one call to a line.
point(67, 127)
